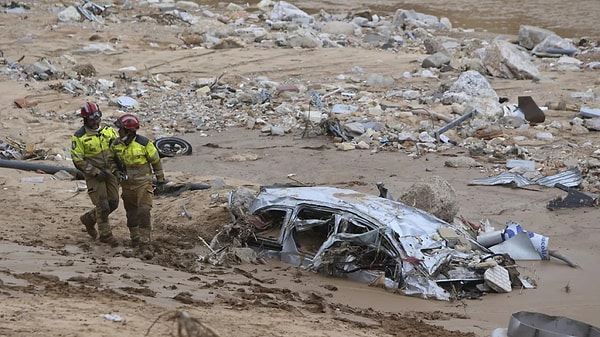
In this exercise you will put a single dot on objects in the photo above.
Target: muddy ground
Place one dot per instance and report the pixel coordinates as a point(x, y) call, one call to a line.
point(55, 281)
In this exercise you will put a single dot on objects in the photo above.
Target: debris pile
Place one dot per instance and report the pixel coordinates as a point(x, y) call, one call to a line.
point(369, 111)
point(379, 241)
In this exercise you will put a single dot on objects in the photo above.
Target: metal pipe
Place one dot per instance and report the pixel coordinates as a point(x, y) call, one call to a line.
point(29, 166)
point(453, 124)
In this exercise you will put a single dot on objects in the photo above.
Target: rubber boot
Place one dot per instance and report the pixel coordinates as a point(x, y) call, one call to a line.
point(89, 221)
point(134, 234)
point(106, 235)
point(109, 239)
point(145, 248)
point(144, 223)
point(145, 235)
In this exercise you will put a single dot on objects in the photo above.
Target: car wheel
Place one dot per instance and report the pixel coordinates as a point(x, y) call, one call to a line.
point(172, 147)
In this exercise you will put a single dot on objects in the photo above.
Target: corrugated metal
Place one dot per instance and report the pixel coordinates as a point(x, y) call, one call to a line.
point(505, 178)
point(570, 178)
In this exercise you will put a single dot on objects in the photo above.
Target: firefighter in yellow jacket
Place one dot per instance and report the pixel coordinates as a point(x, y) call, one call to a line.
point(136, 162)
point(90, 151)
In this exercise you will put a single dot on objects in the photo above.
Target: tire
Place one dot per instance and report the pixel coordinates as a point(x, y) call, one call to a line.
point(172, 147)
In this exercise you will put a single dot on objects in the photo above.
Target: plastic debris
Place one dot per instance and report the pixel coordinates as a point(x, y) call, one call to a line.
point(126, 102)
point(344, 109)
point(518, 247)
point(32, 180)
point(539, 242)
point(315, 99)
point(530, 109)
point(489, 239)
point(589, 112)
point(113, 317)
point(574, 199)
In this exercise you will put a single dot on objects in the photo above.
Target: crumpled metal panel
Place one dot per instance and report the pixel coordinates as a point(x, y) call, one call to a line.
point(571, 178)
point(371, 238)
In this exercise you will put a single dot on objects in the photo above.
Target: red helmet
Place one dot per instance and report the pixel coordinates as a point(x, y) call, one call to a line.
point(91, 110)
point(128, 122)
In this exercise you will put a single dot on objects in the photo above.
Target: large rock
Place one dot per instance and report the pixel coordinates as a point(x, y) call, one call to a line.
point(69, 14)
point(530, 36)
point(285, 11)
point(469, 84)
point(436, 60)
point(379, 81)
point(592, 124)
point(301, 38)
point(433, 195)
point(485, 107)
point(567, 63)
point(504, 60)
point(211, 27)
point(411, 19)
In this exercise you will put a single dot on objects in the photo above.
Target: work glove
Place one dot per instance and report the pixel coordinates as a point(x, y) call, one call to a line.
point(121, 176)
point(100, 176)
point(160, 187)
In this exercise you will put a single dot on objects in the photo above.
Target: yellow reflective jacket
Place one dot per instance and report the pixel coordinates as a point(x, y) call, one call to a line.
point(141, 160)
point(90, 150)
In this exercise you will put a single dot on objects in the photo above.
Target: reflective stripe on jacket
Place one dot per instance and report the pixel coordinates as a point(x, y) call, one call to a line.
point(90, 150)
point(141, 160)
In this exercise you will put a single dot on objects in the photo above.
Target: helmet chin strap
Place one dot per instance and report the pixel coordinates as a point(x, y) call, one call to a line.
point(96, 129)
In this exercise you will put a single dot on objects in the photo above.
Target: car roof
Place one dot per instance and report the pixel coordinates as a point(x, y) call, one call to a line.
point(401, 218)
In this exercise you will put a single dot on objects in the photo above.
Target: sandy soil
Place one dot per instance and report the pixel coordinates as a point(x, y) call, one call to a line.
point(55, 281)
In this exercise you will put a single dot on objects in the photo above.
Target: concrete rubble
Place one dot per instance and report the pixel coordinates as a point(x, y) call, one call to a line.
point(376, 112)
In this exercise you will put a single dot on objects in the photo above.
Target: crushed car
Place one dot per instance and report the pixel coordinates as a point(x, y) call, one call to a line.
point(359, 236)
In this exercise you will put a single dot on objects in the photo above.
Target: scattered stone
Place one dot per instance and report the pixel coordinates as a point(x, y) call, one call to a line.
point(463, 162)
point(592, 124)
point(229, 43)
point(86, 70)
point(544, 136)
point(436, 60)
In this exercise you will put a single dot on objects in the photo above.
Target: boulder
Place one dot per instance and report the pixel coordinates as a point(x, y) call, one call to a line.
point(504, 60)
point(433, 195)
point(530, 36)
